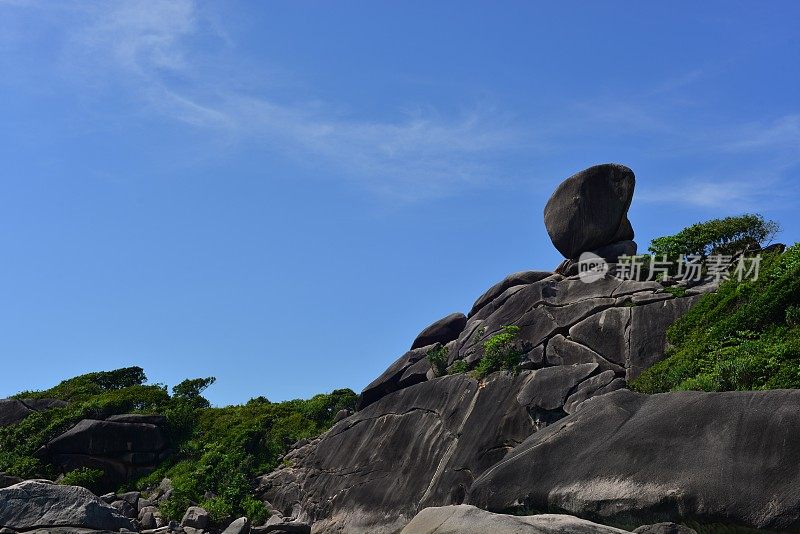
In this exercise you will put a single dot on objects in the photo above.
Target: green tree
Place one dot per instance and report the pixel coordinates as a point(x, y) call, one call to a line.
point(730, 235)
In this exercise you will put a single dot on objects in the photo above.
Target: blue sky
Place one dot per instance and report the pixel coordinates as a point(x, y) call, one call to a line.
point(282, 194)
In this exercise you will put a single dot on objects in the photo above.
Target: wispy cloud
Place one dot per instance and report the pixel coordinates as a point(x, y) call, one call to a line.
point(146, 46)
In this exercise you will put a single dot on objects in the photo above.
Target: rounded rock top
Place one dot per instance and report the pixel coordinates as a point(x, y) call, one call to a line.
point(589, 209)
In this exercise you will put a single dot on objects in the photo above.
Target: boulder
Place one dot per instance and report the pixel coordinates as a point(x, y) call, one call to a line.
point(442, 331)
point(630, 459)
point(465, 519)
point(389, 381)
point(195, 517)
point(589, 209)
point(420, 446)
point(122, 450)
point(664, 528)
point(6, 480)
point(30, 505)
point(12, 411)
point(239, 526)
point(512, 280)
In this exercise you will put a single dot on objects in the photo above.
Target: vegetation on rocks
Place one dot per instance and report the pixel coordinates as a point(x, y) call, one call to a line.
point(499, 352)
point(217, 451)
point(745, 336)
point(726, 236)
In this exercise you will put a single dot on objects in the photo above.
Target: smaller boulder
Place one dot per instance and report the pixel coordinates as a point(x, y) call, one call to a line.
point(32, 504)
point(442, 331)
point(664, 528)
point(195, 517)
point(239, 526)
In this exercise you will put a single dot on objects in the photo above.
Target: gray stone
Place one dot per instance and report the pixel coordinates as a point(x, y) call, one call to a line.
point(6, 481)
point(563, 351)
point(121, 450)
point(627, 459)
point(547, 388)
point(512, 280)
point(389, 380)
point(442, 331)
point(239, 526)
point(12, 411)
point(588, 388)
point(465, 519)
point(664, 528)
point(30, 505)
point(125, 508)
point(151, 419)
point(195, 517)
point(420, 446)
point(589, 209)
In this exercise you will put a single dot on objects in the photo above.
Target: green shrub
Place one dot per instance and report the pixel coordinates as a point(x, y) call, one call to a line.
point(718, 236)
point(745, 336)
point(217, 451)
point(459, 366)
point(499, 352)
point(437, 357)
point(85, 477)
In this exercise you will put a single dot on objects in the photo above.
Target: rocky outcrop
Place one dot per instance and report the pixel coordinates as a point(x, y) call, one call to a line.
point(34, 505)
point(618, 324)
point(122, 448)
point(589, 210)
point(442, 331)
point(420, 446)
point(628, 459)
point(12, 411)
point(464, 519)
point(515, 279)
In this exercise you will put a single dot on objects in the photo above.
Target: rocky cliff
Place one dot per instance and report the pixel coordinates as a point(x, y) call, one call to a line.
point(520, 405)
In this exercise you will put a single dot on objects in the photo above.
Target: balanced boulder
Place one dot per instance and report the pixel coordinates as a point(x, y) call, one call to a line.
point(589, 210)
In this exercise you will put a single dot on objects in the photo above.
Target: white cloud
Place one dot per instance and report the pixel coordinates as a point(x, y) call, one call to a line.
point(146, 47)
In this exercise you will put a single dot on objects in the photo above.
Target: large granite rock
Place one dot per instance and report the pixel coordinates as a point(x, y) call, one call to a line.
point(34, 505)
point(512, 280)
point(629, 459)
point(12, 411)
point(589, 210)
point(618, 324)
point(121, 449)
point(465, 519)
point(419, 446)
point(442, 331)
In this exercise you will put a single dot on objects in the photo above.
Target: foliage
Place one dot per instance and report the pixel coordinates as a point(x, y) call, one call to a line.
point(676, 291)
point(499, 352)
point(718, 236)
point(228, 447)
point(437, 357)
point(218, 451)
point(459, 366)
point(83, 476)
point(745, 336)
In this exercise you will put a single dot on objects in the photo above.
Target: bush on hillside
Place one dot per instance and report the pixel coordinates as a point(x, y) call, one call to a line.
point(726, 236)
point(218, 451)
point(499, 352)
point(745, 336)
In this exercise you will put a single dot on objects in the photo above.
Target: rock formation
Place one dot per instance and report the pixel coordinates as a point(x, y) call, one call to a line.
point(589, 210)
point(123, 446)
point(463, 519)
point(436, 447)
point(627, 459)
point(34, 505)
point(12, 411)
